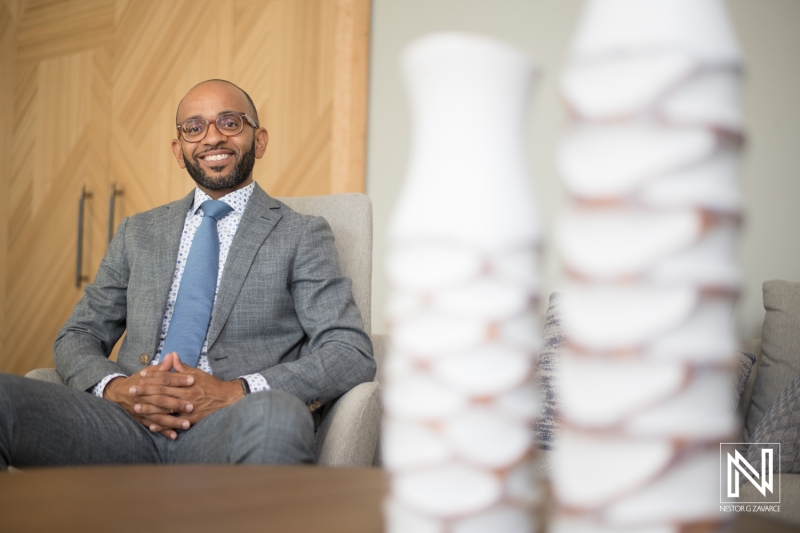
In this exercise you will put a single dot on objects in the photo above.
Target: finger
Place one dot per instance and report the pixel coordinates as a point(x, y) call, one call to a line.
point(155, 428)
point(171, 379)
point(167, 363)
point(169, 433)
point(183, 368)
point(149, 424)
point(188, 370)
point(162, 405)
point(148, 409)
point(152, 371)
point(174, 379)
point(144, 410)
point(156, 389)
point(168, 422)
point(173, 398)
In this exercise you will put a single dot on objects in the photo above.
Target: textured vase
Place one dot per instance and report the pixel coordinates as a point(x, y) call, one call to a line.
point(650, 162)
point(459, 402)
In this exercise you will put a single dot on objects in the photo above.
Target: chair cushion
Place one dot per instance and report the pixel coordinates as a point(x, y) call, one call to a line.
point(780, 344)
point(790, 501)
point(781, 423)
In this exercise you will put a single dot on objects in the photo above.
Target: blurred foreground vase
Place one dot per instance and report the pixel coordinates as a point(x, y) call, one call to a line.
point(650, 163)
point(459, 401)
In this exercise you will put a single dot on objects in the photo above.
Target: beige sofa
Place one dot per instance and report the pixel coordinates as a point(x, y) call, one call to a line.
point(789, 483)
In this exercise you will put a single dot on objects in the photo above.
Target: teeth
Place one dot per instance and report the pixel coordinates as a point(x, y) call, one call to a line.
point(217, 157)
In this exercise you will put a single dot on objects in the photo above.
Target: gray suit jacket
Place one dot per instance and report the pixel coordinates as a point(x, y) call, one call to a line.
point(283, 308)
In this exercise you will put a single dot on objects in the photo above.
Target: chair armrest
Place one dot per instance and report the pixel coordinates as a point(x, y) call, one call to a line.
point(380, 345)
point(349, 432)
point(45, 374)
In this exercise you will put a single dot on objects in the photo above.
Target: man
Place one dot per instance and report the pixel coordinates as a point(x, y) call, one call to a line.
point(238, 323)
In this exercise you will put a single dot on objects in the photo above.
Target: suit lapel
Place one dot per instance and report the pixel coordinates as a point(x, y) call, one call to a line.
point(258, 219)
point(168, 223)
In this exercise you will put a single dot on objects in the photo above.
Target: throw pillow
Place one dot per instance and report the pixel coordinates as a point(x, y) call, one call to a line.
point(549, 359)
point(781, 423)
point(780, 344)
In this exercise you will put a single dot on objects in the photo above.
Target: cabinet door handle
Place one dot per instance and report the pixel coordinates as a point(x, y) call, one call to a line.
point(79, 277)
point(112, 200)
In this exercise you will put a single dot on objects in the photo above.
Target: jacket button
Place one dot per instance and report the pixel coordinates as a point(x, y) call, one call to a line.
point(144, 358)
point(314, 405)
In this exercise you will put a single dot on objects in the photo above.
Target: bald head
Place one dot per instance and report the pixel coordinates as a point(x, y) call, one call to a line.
point(214, 85)
point(218, 162)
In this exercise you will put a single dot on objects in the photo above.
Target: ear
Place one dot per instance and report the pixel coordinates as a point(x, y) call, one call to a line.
point(262, 139)
point(177, 151)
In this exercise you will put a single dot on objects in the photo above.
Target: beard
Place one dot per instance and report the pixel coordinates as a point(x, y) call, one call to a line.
point(241, 171)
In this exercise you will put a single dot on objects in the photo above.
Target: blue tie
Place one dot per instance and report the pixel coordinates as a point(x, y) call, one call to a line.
point(192, 313)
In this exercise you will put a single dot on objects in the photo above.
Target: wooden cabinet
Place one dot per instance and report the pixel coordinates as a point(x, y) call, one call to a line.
point(88, 93)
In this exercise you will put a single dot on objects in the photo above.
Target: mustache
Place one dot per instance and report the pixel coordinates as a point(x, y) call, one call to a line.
point(213, 148)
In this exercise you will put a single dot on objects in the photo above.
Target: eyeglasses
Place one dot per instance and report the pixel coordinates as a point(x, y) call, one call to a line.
point(229, 124)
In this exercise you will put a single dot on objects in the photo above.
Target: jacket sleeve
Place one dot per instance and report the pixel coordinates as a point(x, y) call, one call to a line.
point(339, 352)
point(83, 345)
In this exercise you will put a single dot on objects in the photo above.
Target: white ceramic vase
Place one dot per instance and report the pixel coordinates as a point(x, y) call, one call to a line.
point(459, 402)
point(650, 162)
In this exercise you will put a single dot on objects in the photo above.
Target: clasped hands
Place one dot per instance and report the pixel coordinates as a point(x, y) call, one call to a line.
point(164, 401)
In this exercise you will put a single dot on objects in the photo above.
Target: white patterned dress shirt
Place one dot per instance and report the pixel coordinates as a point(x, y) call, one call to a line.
point(226, 227)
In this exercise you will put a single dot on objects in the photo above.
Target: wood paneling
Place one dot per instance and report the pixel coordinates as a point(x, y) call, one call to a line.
point(350, 95)
point(49, 28)
point(60, 143)
point(8, 41)
point(90, 89)
point(304, 63)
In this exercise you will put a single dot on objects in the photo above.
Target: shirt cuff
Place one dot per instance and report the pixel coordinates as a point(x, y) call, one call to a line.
point(256, 382)
point(101, 385)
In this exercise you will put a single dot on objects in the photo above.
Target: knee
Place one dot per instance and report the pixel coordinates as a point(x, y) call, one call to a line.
point(275, 411)
point(279, 423)
point(8, 384)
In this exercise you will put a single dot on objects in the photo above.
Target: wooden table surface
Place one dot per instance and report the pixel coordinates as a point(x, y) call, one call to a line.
point(286, 499)
point(283, 499)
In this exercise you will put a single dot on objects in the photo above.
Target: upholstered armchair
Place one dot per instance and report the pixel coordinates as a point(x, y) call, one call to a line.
point(348, 435)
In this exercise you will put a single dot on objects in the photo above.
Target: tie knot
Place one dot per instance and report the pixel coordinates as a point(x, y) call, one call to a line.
point(215, 209)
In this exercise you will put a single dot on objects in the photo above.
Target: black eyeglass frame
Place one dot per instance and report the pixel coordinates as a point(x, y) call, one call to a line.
point(216, 125)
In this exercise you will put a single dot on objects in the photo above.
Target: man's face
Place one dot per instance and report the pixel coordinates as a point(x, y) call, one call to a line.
point(218, 162)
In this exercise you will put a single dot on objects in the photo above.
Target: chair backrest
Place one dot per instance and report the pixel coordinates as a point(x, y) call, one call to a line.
point(350, 218)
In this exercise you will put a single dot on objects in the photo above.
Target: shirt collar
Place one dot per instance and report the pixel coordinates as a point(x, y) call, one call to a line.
point(236, 199)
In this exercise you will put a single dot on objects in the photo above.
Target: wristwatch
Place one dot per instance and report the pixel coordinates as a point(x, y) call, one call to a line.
point(245, 386)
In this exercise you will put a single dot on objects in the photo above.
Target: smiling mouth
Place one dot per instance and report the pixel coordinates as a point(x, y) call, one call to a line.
point(217, 159)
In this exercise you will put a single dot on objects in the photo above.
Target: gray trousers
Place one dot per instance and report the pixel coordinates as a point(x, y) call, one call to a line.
point(43, 424)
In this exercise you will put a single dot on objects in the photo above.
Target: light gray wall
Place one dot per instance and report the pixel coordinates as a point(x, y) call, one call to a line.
point(768, 32)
